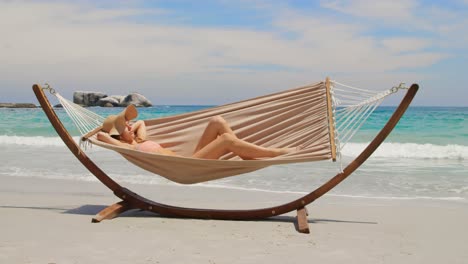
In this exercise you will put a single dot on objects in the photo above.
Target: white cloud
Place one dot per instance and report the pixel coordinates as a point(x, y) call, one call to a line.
point(401, 44)
point(411, 16)
point(389, 10)
point(80, 46)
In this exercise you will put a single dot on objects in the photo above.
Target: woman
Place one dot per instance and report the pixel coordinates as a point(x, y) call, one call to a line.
point(217, 140)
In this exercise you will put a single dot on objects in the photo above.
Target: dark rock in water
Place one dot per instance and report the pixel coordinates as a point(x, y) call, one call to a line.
point(136, 99)
point(101, 99)
point(17, 105)
point(108, 101)
point(107, 105)
point(87, 98)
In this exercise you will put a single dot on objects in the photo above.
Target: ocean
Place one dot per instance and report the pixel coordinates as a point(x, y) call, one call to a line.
point(425, 157)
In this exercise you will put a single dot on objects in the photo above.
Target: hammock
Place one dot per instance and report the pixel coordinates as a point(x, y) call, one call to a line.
point(323, 116)
point(320, 117)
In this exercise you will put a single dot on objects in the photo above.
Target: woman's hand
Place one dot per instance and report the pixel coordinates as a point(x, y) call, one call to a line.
point(137, 125)
point(102, 136)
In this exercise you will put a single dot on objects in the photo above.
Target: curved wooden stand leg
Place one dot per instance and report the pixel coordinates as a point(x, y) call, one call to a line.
point(302, 223)
point(111, 211)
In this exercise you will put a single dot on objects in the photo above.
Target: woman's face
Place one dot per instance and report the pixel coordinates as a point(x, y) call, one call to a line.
point(127, 135)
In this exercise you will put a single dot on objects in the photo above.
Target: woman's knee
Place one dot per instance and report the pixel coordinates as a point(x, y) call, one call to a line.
point(217, 120)
point(227, 139)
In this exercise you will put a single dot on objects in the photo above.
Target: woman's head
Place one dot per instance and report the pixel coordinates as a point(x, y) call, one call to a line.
point(118, 126)
point(127, 134)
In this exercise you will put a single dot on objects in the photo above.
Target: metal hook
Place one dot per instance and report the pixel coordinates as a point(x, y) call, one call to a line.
point(48, 87)
point(400, 86)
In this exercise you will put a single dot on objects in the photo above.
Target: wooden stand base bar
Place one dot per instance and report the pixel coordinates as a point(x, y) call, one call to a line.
point(111, 211)
point(302, 223)
point(116, 209)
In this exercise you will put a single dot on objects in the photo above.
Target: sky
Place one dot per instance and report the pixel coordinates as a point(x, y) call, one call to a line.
point(217, 51)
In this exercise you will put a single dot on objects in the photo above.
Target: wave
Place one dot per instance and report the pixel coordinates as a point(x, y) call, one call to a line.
point(386, 150)
point(37, 141)
point(139, 179)
point(369, 196)
point(410, 150)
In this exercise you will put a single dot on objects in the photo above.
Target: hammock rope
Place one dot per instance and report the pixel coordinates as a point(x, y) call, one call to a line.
point(353, 107)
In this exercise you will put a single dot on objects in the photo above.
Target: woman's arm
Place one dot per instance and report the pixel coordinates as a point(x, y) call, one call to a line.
point(139, 128)
point(104, 137)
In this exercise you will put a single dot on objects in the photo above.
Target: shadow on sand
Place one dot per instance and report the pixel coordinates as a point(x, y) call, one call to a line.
point(92, 210)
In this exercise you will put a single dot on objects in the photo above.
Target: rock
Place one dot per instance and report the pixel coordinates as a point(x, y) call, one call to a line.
point(78, 98)
point(87, 98)
point(17, 105)
point(101, 99)
point(119, 98)
point(108, 101)
point(136, 99)
point(107, 105)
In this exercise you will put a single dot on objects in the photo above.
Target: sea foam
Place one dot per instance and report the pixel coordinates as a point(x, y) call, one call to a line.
point(410, 150)
point(37, 141)
point(386, 150)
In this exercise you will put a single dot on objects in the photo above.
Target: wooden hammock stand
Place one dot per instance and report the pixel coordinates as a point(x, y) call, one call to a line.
point(131, 200)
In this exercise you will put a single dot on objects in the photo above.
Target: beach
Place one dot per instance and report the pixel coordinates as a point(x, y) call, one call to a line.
point(406, 204)
point(49, 221)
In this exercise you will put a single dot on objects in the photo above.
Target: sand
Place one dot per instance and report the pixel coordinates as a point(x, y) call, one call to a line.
point(49, 221)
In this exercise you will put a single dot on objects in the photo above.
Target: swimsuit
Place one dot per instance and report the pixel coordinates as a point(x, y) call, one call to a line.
point(148, 146)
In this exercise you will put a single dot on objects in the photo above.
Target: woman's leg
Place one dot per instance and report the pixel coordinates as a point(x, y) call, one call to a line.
point(216, 127)
point(226, 143)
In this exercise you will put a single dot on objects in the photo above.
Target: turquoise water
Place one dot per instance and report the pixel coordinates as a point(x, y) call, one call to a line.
point(425, 157)
point(422, 125)
point(427, 125)
point(33, 122)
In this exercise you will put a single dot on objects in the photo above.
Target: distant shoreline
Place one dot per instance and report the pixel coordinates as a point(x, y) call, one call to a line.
point(17, 105)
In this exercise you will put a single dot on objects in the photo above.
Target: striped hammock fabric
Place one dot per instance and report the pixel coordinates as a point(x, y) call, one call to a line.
point(286, 119)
